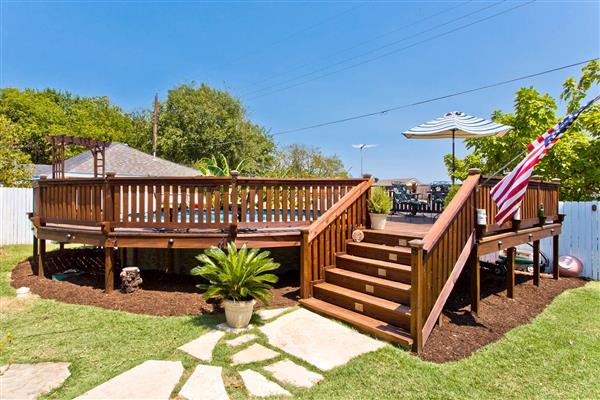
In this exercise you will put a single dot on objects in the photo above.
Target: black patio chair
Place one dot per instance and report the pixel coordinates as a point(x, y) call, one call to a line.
point(404, 200)
point(439, 190)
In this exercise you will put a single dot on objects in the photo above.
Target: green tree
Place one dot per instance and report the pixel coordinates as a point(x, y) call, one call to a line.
point(39, 113)
point(301, 161)
point(197, 122)
point(574, 159)
point(13, 162)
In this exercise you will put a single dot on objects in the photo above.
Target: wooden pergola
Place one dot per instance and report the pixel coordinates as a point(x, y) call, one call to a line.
point(59, 143)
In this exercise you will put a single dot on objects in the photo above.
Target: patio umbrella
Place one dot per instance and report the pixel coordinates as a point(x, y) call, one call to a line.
point(456, 124)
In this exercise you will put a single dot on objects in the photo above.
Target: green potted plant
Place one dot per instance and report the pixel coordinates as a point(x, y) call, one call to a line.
point(239, 277)
point(380, 205)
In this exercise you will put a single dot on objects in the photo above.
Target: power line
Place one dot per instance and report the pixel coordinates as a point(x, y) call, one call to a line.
point(395, 51)
point(417, 103)
point(347, 49)
point(376, 49)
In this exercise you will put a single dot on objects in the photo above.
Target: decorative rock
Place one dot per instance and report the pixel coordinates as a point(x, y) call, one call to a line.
point(130, 279)
point(225, 327)
point(266, 314)
point(241, 340)
point(29, 381)
point(291, 373)
point(295, 333)
point(202, 348)
point(149, 380)
point(259, 386)
point(22, 292)
point(205, 383)
point(254, 353)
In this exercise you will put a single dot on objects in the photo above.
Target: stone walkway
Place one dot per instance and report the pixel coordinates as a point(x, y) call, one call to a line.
point(29, 381)
point(316, 340)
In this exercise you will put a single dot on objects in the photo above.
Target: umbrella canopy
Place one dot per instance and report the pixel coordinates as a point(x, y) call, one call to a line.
point(456, 124)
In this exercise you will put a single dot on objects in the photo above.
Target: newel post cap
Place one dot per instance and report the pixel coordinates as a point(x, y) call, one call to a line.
point(474, 171)
point(555, 180)
point(416, 243)
point(234, 172)
point(110, 174)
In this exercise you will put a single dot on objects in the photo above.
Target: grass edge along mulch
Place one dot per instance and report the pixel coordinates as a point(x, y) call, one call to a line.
point(554, 356)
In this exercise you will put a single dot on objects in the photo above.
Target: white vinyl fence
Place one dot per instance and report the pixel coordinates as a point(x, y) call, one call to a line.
point(580, 235)
point(15, 227)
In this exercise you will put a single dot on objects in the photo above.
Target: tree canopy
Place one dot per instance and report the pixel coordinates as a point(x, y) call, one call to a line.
point(13, 161)
point(574, 158)
point(301, 161)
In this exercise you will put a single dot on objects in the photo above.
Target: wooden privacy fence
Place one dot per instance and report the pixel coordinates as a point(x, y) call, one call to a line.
point(182, 202)
point(15, 227)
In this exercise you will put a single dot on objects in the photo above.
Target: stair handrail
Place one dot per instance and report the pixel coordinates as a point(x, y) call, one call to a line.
point(337, 209)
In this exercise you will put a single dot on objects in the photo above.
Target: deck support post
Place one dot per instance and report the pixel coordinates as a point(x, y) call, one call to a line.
point(305, 269)
point(41, 257)
point(109, 269)
point(416, 294)
point(123, 256)
point(510, 272)
point(61, 246)
point(475, 281)
point(35, 252)
point(555, 256)
point(170, 259)
point(536, 262)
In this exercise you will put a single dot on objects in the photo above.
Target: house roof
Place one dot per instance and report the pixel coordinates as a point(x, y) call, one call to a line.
point(126, 161)
point(388, 182)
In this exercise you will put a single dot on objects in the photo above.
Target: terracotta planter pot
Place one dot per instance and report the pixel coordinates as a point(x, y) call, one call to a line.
point(238, 313)
point(378, 221)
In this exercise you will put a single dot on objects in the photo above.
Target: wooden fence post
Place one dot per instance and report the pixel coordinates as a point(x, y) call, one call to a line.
point(305, 268)
point(416, 294)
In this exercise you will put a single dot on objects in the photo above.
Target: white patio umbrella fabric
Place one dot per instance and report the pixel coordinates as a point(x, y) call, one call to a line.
point(457, 124)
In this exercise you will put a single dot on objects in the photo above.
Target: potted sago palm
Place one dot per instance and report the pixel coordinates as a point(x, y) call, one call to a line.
point(380, 205)
point(239, 278)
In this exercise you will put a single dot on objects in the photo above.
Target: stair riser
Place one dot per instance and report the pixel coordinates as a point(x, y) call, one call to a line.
point(373, 270)
point(384, 292)
point(371, 310)
point(387, 239)
point(378, 254)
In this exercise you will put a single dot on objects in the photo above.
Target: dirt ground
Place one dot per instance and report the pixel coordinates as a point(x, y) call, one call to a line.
point(463, 333)
point(161, 293)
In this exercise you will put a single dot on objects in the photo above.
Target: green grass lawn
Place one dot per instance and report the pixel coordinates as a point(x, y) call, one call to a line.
point(556, 356)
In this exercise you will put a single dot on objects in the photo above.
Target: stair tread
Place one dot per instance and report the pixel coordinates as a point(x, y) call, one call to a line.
point(369, 278)
point(383, 247)
point(364, 298)
point(378, 263)
point(379, 328)
point(416, 235)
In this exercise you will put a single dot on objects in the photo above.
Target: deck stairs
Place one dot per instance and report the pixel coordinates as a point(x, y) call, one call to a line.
point(369, 286)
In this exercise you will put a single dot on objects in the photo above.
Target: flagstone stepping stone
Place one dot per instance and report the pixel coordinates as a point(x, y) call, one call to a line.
point(149, 380)
point(266, 314)
point(205, 383)
point(241, 340)
point(29, 381)
point(317, 340)
point(254, 353)
point(202, 347)
point(289, 372)
point(258, 385)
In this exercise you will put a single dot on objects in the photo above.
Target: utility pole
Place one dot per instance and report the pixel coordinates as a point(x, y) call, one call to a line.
point(155, 124)
point(362, 147)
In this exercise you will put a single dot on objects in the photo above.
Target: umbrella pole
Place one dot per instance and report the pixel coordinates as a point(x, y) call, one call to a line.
point(453, 167)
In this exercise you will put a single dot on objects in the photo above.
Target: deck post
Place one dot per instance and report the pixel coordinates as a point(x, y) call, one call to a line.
point(510, 272)
point(109, 269)
point(536, 262)
point(233, 228)
point(475, 281)
point(35, 251)
point(41, 257)
point(555, 256)
point(305, 269)
point(108, 198)
point(416, 294)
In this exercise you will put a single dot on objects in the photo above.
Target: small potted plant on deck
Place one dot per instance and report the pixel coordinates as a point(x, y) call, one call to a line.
point(380, 205)
point(239, 277)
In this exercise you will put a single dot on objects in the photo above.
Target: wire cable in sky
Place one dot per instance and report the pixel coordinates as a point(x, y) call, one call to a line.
point(461, 27)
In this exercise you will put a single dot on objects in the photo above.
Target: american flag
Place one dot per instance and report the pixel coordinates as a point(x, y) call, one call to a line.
point(509, 192)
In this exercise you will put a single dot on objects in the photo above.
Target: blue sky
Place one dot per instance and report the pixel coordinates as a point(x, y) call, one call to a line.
point(129, 50)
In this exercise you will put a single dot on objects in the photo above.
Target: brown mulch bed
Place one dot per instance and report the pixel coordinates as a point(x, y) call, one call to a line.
point(161, 294)
point(463, 333)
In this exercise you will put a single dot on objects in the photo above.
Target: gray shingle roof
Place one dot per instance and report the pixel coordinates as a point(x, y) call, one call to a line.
point(127, 161)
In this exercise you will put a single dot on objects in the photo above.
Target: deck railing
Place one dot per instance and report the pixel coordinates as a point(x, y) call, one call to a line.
point(187, 202)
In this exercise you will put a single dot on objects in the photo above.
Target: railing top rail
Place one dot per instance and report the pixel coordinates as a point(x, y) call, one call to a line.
point(338, 208)
point(445, 219)
point(492, 180)
point(206, 179)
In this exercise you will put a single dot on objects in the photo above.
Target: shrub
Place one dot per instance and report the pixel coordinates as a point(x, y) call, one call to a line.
point(380, 202)
point(236, 275)
point(451, 193)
